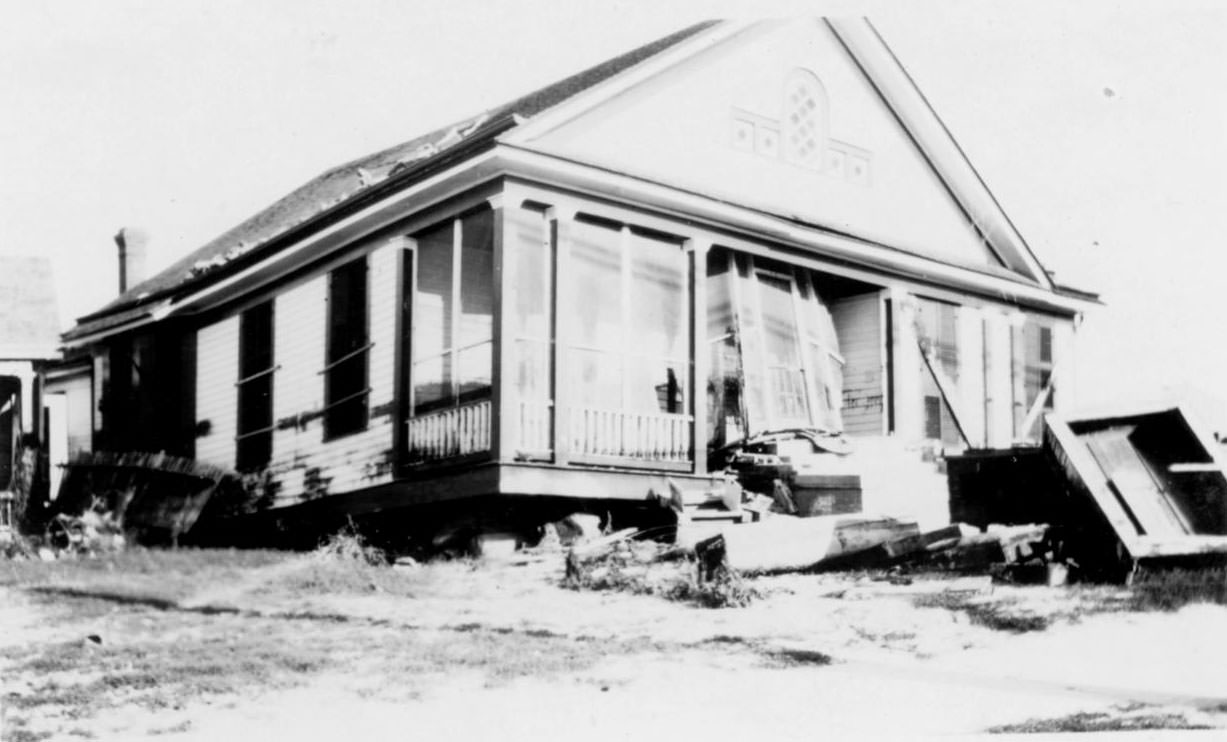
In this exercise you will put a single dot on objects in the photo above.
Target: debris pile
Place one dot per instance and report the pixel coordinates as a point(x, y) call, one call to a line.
point(154, 498)
point(1129, 490)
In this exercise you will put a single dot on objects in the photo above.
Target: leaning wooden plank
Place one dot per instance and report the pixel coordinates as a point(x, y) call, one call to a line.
point(787, 544)
point(1146, 547)
point(1083, 475)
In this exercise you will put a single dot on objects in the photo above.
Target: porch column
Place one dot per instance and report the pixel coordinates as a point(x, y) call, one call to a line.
point(1064, 351)
point(560, 221)
point(502, 397)
point(973, 374)
point(698, 352)
point(907, 397)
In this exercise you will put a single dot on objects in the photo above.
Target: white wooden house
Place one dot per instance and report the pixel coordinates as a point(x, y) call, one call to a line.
point(742, 227)
point(29, 333)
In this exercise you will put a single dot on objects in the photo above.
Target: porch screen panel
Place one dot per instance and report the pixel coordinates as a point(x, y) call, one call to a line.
point(629, 346)
point(725, 413)
point(785, 387)
point(474, 358)
point(826, 364)
point(453, 326)
point(657, 351)
point(432, 319)
point(531, 254)
point(596, 281)
point(751, 340)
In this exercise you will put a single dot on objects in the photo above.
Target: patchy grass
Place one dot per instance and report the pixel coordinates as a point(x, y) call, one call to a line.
point(796, 658)
point(166, 660)
point(1023, 609)
point(1126, 719)
point(155, 574)
point(994, 613)
point(679, 581)
point(1170, 589)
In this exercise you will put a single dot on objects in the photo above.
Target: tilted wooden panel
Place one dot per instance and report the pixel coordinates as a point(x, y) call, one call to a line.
point(858, 325)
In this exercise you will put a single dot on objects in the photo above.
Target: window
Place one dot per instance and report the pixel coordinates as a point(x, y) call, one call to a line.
point(453, 311)
point(10, 426)
point(937, 330)
point(631, 329)
point(1032, 370)
point(255, 387)
point(345, 375)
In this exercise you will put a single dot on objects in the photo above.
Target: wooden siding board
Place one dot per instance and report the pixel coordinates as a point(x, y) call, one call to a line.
point(304, 465)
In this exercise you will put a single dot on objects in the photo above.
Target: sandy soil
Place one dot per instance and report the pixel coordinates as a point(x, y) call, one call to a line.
point(896, 670)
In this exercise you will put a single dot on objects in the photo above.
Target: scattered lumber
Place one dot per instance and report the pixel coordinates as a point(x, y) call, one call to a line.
point(784, 544)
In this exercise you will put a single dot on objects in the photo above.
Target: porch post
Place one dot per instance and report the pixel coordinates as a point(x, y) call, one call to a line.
point(909, 406)
point(973, 373)
point(698, 353)
point(502, 397)
point(1064, 350)
point(999, 392)
point(560, 221)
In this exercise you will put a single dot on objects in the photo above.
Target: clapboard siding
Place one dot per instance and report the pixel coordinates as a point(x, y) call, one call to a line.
point(858, 325)
point(217, 368)
point(304, 465)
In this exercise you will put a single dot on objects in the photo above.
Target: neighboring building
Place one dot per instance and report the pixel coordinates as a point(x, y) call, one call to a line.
point(738, 228)
point(29, 339)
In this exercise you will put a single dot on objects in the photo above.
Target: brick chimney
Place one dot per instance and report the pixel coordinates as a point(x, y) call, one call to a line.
point(132, 243)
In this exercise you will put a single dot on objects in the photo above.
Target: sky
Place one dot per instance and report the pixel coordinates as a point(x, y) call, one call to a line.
point(1100, 127)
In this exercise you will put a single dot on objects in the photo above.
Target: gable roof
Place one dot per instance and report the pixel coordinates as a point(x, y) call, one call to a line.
point(29, 318)
point(260, 234)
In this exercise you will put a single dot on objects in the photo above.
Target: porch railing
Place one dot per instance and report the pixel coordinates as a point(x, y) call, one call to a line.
point(630, 435)
point(455, 431)
point(536, 428)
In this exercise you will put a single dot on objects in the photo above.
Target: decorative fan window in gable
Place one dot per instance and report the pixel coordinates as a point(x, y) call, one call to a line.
point(805, 119)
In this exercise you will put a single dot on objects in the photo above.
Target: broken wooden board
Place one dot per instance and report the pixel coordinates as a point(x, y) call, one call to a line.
point(158, 497)
point(790, 544)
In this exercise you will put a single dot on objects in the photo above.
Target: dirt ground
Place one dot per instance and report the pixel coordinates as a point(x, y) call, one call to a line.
point(226, 645)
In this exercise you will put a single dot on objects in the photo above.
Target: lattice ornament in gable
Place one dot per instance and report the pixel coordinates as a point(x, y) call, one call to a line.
point(800, 134)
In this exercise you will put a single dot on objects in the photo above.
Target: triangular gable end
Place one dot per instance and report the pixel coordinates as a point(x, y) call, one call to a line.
point(779, 116)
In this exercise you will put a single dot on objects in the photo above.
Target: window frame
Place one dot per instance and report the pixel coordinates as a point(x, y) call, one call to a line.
point(357, 350)
point(254, 447)
point(452, 350)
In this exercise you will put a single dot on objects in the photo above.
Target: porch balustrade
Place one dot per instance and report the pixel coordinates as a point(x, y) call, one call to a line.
point(623, 434)
point(536, 428)
point(455, 431)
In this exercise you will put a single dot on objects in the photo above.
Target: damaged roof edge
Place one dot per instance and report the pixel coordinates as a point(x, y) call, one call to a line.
point(97, 324)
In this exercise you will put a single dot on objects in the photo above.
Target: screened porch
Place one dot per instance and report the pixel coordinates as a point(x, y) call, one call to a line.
point(621, 345)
